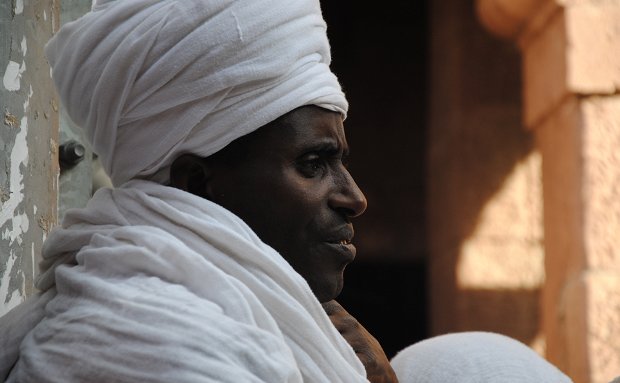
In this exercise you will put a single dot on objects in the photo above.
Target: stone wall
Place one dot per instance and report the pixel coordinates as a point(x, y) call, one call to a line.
point(571, 96)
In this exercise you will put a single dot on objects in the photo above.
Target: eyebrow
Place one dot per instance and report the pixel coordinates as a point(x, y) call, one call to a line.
point(328, 147)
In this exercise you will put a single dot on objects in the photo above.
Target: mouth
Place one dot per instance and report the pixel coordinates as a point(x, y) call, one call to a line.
point(342, 236)
point(342, 245)
point(345, 250)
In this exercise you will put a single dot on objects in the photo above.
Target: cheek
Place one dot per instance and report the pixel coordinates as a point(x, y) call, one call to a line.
point(291, 209)
point(307, 203)
point(300, 197)
point(296, 223)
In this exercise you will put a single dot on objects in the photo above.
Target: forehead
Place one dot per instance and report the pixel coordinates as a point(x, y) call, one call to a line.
point(305, 126)
point(302, 130)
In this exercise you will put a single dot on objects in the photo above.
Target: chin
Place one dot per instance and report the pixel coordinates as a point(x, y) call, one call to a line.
point(328, 290)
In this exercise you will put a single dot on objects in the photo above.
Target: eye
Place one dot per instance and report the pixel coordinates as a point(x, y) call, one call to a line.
point(311, 165)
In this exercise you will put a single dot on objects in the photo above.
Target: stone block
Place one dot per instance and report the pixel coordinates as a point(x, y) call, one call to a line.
point(515, 209)
point(592, 310)
point(576, 52)
point(505, 250)
point(581, 188)
point(505, 18)
point(500, 263)
point(572, 302)
point(545, 71)
point(593, 47)
point(601, 181)
point(559, 141)
point(603, 310)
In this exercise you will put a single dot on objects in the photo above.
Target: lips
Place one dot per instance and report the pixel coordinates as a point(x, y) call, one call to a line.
point(344, 254)
point(340, 243)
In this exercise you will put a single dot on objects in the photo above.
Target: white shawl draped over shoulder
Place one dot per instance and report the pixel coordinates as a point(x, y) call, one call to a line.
point(157, 285)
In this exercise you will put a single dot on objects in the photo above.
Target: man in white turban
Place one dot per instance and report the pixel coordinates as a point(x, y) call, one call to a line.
point(218, 254)
point(205, 262)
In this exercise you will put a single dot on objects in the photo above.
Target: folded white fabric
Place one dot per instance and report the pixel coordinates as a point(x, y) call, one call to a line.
point(158, 285)
point(15, 325)
point(473, 357)
point(150, 79)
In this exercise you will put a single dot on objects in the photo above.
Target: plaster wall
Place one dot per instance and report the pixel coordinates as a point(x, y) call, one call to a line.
point(28, 144)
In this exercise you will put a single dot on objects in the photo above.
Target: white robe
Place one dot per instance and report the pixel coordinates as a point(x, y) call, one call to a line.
point(152, 284)
point(157, 285)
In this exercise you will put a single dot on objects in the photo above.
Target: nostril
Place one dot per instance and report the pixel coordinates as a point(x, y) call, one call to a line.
point(358, 204)
point(363, 204)
point(346, 212)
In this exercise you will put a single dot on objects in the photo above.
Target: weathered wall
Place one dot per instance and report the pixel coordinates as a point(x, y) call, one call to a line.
point(484, 186)
point(28, 144)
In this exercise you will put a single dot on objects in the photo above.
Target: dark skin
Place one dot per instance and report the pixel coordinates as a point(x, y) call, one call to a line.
point(288, 181)
point(366, 347)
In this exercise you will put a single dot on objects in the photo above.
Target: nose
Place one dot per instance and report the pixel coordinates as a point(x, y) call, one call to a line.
point(348, 198)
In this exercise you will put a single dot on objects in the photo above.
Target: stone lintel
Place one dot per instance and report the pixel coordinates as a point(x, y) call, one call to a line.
point(569, 47)
point(506, 18)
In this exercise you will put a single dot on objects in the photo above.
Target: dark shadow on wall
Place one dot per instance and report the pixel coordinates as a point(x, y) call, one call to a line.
point(435, 129)
point(522, 304)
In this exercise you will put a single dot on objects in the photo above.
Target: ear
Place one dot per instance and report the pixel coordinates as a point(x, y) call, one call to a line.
point(192, 174)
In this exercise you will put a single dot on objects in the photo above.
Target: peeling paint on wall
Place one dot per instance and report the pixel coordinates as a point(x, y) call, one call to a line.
point(13, 298)
point(11, 77)
point(28, 165)
point(19, 7)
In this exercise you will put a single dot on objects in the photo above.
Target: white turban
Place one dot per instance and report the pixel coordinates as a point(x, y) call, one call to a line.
point(149, 80)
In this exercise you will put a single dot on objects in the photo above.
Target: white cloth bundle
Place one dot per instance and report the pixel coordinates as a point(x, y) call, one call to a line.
point(151, 79)
point(157, 285)
point(473, 357)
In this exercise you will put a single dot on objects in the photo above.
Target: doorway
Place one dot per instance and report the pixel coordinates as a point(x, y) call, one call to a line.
point(380, 57)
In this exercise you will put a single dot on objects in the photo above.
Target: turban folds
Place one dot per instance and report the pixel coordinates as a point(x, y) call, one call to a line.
point(149, 80)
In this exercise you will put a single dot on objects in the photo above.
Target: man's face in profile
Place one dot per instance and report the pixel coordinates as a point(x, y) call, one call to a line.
point(287, 181)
